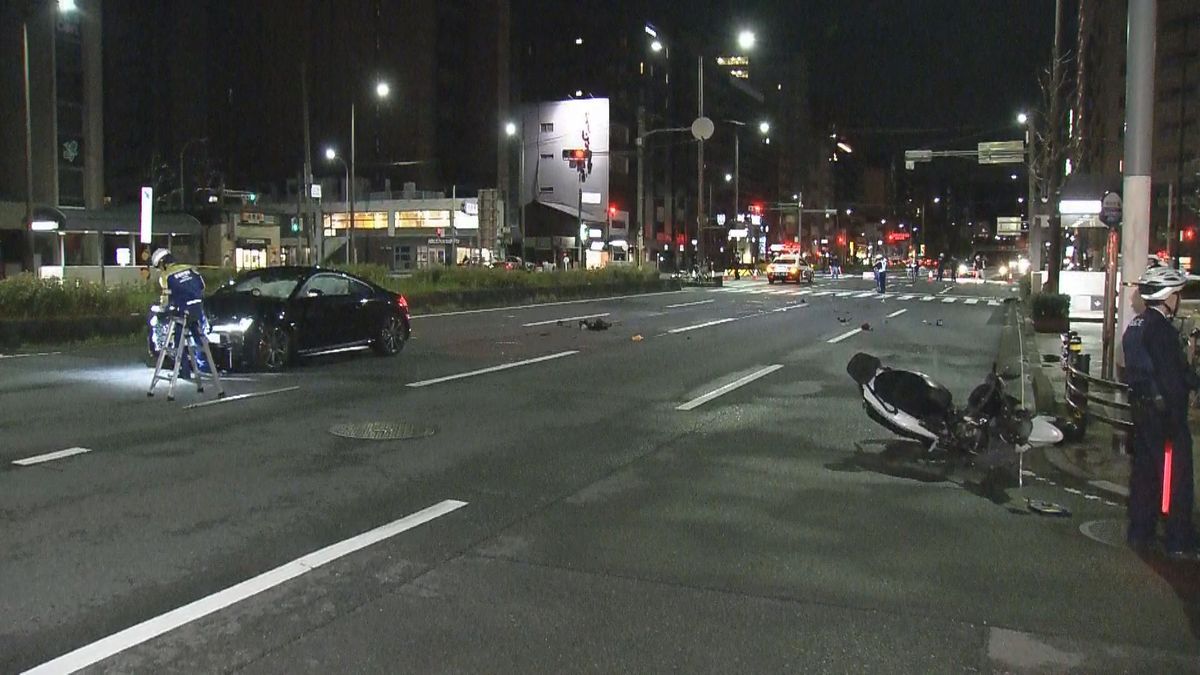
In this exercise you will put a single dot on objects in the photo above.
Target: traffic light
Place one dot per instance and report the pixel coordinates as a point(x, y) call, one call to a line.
point(1187, 234)
point(295, 225)
point(612, 211)
point(577, 158)
point(841, 239)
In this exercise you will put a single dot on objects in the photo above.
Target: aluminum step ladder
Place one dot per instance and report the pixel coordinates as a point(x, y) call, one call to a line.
point(181, 345)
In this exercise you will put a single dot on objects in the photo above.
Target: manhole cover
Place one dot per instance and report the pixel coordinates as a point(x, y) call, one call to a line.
point(1110, 532)
point(380, 431)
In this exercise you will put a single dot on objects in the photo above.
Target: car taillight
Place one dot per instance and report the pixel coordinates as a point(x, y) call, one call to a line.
point(402, 303)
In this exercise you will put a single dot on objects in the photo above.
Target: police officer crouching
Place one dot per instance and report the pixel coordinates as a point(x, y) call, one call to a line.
point(182, 292)
point(1159, 381)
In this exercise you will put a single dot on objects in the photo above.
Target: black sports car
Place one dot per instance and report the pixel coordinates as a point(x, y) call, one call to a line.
point(265, 318)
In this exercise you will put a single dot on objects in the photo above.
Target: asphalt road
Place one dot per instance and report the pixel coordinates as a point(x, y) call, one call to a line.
point(694, 489)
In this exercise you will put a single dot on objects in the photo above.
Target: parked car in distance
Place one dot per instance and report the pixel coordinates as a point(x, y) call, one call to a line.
point(264, 319)
point(513, 262)
point(789, 267)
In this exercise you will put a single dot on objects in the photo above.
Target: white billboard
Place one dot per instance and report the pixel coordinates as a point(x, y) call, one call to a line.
point(566, 156)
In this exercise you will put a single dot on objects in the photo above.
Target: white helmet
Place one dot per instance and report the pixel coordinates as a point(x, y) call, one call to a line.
point(1159, 283)
point(158, 256)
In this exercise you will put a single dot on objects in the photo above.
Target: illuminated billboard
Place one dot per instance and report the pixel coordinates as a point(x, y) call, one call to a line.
point(566, 156)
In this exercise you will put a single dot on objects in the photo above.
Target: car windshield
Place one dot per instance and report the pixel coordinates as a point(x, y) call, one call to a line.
point(265, 283)
point(785, 260)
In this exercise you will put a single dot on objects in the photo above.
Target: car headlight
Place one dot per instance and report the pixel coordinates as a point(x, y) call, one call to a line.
point(1022, 265)
point(1004, 270)
point(239, 327)
point(962, 269)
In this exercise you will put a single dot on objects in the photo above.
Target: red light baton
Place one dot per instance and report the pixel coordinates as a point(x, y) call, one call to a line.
point(1166, 488)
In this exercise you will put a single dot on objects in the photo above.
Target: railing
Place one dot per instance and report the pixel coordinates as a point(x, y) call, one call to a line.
point(1114, 407)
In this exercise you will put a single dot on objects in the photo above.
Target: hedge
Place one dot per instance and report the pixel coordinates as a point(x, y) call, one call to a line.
point(49, 310)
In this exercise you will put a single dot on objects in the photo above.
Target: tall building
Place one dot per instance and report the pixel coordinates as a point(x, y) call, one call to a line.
point(1098, 112)
point(66, 118)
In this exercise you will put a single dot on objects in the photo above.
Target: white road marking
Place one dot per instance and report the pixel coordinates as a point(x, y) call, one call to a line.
point(782, 292)
point(949, 300)
point(25, 356)
point(907, 297)
point(822, 293)
point(706, 324)
point(240, 397)
point(843, 336)
point(689, 304)
point(543, 304)
point(50, 456)
point(701, 400)
point(788, 308)
point(118, 642)
point(1110, 487)
point(566, 318)
point(492, 369)
point(845, 294)
point(971, 301)
point(804, 292)
point(896, 313)
point(928, 298)
point(866, 295)
point(945, 290)
point(994, 303)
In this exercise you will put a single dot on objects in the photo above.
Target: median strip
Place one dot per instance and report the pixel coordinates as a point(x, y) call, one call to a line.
point(149, 629)
point(568, 318)
point(50, 456)
point(701, 400)
point(492, 369)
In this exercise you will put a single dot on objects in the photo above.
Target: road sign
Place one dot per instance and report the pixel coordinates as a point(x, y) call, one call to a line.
point(1008, 226)
point(1001, 152)
point(1110, 209)
point(703, 128)
point(435, 241)
point(147, 215)
point(918, 155)
point(315, 190)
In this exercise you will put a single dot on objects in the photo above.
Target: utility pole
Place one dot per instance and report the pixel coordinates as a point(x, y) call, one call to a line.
point(29, 244)
point(1139, 121)
point(310, 226)
point(700, 214)
point(1054, 172)
point(351, 254)
point(641, 184)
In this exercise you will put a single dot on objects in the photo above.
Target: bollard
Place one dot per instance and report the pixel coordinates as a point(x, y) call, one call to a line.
point(1083, 363)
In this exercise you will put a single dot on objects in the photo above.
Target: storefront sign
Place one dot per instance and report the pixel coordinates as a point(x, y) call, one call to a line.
point(436, 241)
point(147, 214)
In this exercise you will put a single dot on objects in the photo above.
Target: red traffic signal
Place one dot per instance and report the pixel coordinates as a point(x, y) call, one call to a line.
point(612, 210)
point(1187, 234)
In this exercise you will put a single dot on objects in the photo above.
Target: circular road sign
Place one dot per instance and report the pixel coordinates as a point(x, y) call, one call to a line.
point(703, 128)
point(1110, 209)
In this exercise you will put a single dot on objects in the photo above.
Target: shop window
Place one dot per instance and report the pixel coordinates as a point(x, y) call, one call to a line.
point(547, 127)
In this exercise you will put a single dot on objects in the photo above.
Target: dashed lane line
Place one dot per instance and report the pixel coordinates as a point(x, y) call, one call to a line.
point(705, 398)
point(567, 318)
point(896, 313)
point(706, 324)
point(843, 336)
point(492, 369)
point(50, 456)
point(689, 304)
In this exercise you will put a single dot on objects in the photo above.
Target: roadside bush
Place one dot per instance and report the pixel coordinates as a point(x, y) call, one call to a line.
point(1051, 305)
point(26, 297)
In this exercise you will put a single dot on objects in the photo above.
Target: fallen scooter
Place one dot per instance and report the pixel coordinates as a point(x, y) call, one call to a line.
point(990, 432)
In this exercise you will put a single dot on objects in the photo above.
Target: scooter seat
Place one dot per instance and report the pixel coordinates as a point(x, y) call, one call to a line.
point(913, 392)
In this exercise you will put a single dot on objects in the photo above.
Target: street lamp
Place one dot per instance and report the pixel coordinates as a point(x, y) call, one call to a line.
point(746, 39)
point(1035, 234)
point(382, 91)
point(729, 178)
point(511, 130)
point(764, 127)
point(331, 155)
point(656, 46)
point(64, 7)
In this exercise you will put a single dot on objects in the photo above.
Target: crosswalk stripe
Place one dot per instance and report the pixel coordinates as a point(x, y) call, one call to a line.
point(928, 298)
point(994, 303)
point(907, 297)
point(948, 300)
point(782, 292)
point(821, 293)
point(971, 301)
point(845, 294)
point(865, 295)
point(804, 292)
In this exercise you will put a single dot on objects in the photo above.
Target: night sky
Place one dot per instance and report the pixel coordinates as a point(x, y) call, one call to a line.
point(890, 65)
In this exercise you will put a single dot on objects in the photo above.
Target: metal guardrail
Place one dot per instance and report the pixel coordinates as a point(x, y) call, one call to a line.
point(1114, 407)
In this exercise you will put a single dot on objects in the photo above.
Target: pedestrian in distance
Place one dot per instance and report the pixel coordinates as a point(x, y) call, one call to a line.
point(881, 274)
point(1160, 380)
point(941, 267)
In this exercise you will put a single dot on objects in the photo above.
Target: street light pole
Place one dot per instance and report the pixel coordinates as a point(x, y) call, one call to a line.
point(29, 244)
point(641, 181)
point(182, 189)
point(700, 214)
point(351, 254)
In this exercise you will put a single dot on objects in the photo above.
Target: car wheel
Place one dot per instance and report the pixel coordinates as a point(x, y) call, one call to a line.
point(390, 337)
point(274, 348)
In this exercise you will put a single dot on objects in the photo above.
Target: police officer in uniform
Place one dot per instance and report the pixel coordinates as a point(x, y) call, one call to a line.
point(182, 291)
point(1160, 381)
